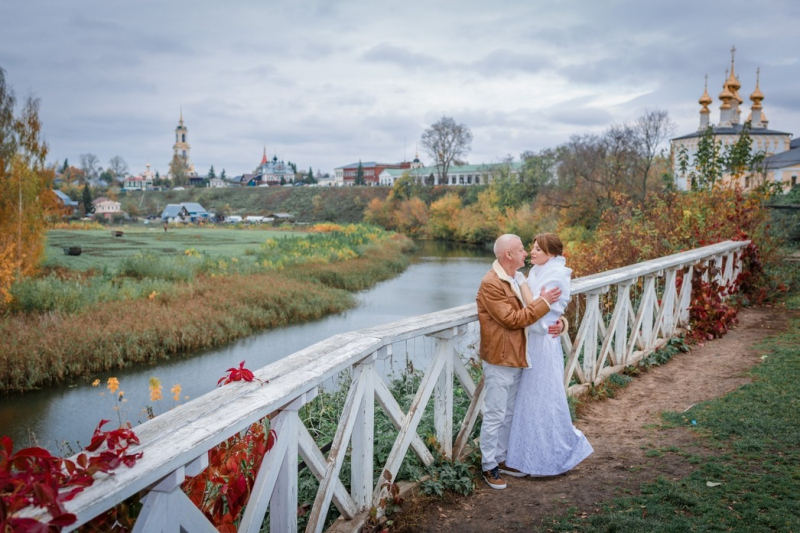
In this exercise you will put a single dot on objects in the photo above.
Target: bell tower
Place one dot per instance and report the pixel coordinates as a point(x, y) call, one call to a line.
point(181, 147)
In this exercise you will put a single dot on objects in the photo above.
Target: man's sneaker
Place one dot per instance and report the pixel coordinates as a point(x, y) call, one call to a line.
point(493, 478)
point(510, 471)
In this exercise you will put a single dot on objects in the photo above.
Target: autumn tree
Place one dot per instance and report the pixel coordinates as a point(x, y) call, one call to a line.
point(178, 172)
point(652, 128)
point(445, 141)
point(90, 166)
point(118, 167)
point(25, 189)
point(507, 187)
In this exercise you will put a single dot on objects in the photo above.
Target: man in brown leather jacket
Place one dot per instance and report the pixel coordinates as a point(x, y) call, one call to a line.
point(503, 319)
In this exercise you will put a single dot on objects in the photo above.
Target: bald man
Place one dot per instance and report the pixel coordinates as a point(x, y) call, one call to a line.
point(503, 319)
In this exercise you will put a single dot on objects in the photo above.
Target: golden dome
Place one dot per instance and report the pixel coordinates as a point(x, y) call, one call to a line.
point(705, 100)
point(757, 95)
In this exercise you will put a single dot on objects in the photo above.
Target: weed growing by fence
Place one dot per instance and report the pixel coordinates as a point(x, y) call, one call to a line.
point(322, 416)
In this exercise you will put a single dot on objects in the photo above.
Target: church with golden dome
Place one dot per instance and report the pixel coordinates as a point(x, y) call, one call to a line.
point(781, 162)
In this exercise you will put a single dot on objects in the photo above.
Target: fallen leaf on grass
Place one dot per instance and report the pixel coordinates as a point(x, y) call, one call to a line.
point(712, 484)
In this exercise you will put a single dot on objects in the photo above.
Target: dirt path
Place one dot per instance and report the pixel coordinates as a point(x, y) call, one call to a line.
point(621, 430)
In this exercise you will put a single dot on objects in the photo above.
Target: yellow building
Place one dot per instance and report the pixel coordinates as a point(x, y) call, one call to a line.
point(782, 158)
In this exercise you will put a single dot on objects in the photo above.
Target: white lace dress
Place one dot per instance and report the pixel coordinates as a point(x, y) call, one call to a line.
point(543, 441)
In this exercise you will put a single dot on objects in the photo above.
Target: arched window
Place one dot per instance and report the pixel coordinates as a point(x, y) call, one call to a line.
point(184, 138)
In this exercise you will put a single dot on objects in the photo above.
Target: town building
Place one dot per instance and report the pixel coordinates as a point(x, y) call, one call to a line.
point(184, 212)
point(346, 175)
point(106, 207)
point(269, 172)
point(781, 156)
point(218, 183)
point(139, 183)
point(68, 205)
point(456, 174)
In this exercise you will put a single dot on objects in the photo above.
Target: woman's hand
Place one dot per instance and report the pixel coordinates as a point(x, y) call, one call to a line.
point(555, 329)
point(551, 295)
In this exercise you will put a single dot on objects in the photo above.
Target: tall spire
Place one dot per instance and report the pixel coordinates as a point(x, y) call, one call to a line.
point(757, 118)
point(181, 120)
point(704, 101)
point(264, 157)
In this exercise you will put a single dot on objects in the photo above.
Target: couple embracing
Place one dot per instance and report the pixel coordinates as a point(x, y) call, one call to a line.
point(526, 429)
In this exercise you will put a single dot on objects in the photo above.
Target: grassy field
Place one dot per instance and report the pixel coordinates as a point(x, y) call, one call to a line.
point(101, 250)
point(147, 295)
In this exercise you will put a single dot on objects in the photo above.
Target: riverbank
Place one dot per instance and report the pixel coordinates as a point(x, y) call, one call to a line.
point(209, 310)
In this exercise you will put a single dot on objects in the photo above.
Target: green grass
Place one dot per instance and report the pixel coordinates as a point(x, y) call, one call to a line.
point(101, 251)
point(752, 441)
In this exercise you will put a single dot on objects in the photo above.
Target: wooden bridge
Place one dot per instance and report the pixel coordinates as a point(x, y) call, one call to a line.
point(622, 316)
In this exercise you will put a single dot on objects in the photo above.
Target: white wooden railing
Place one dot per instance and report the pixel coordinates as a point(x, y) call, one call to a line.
point(646, 309)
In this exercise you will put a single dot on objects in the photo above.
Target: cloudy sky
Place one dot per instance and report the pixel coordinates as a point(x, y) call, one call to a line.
point(325, 83)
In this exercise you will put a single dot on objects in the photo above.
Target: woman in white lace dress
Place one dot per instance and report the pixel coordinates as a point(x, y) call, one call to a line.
point(543, 441)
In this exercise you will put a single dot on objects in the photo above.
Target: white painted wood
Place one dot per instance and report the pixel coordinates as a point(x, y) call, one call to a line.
point(267, 476)
point(592, 316)
point(646, 310)
point(470, 418)
point(398, 418)
point(283, 503)
point(686, 296)
point(409, 427)
point(463, 376)
point(317, 465)
point(187, 433)
point(361, 455)
point(319, 511)
point(443, 399)
point(620, 321)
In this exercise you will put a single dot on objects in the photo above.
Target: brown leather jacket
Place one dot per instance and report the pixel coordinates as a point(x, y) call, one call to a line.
point(504, 319)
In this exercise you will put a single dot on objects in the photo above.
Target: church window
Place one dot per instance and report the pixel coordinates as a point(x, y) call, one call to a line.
point(477, 180)
point(469, 180)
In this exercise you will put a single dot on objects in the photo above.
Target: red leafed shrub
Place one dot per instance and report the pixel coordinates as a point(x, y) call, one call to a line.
point(711, 315)
point(32, 476)
point(222, 490)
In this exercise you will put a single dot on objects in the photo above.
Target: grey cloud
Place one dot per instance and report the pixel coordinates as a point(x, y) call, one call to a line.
point(402, 57)
point(508, 61)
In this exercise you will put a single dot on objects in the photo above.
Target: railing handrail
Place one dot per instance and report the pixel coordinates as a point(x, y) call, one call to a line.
point(181, 435)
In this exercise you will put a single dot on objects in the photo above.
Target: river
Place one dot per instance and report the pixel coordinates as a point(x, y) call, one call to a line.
point(441, 276)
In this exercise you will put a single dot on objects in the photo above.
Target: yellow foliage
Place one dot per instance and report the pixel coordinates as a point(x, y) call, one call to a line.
point(25, 191)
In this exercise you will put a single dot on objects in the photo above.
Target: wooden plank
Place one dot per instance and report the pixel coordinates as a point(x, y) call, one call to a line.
point(471, 416)
point(409, 428)
point(398, 418)
point(283, 503)
point(363, 441)
point(443, 398)
point(267, 477)
point(319, 510)
point(317, 465)
point(461, 372)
